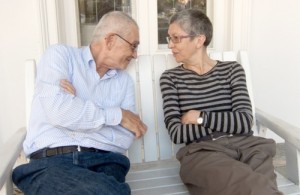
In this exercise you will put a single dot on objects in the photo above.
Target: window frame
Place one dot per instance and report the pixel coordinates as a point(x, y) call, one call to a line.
point(231, 19)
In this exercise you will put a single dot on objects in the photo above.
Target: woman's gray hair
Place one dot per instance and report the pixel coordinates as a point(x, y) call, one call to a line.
point(113, 22)
point(194, 22)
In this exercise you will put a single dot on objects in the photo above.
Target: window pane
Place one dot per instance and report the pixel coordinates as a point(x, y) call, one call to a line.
point(90, 12)
point(166, 8)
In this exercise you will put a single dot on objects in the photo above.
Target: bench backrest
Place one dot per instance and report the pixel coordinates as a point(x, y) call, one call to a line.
point(146, 71)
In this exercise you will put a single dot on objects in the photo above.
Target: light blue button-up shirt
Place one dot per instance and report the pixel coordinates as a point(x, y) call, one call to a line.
point(91, 118)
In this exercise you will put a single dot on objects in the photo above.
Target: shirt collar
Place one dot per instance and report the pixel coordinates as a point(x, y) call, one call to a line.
point(87, 55)
point(89, 60)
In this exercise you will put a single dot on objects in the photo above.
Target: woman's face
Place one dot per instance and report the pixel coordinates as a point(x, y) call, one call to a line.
point(183, 45)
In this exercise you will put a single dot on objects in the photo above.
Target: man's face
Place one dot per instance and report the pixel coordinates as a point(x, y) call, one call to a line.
point(125, 48)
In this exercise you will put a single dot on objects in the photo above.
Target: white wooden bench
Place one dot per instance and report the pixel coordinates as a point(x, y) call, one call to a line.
point(154, 169)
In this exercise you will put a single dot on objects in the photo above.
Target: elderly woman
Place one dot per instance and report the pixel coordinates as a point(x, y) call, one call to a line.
point(207, 107)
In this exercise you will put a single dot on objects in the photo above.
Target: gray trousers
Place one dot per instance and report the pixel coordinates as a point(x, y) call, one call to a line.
point(238, 165)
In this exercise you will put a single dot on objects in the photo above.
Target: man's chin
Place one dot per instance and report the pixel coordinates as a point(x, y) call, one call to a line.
point(124, 66)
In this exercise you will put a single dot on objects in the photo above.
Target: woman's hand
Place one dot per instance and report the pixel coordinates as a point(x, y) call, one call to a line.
point(67, 87)
point(190, 117)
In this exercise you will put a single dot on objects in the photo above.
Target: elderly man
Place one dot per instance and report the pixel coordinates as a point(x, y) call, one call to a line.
point(76, 142)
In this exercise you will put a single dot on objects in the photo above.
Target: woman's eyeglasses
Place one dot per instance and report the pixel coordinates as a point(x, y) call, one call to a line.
point(177, 39)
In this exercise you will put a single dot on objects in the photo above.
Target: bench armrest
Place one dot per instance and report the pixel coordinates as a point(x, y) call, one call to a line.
point(291, 135)
point(9, 154)
point(285, 130)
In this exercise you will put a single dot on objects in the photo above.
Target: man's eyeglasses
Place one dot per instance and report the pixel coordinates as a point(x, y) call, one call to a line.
point(177, 39)
point(134, 46)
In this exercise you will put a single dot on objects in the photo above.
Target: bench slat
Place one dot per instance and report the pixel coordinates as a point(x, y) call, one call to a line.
point(147, 107)
point(164, 141)
point(170, 190)
point(135, 151)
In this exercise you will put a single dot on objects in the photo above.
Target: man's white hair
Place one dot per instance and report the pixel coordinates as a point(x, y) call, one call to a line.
point(113, 22)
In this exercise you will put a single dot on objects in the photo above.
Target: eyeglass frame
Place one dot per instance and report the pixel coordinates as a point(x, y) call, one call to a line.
point(169, 38)
point(134, 46)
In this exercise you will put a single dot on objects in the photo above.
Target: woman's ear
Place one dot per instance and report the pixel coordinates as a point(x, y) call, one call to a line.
point(200, 40)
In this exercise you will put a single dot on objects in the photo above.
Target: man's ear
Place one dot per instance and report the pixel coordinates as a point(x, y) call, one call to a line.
point(110, 40)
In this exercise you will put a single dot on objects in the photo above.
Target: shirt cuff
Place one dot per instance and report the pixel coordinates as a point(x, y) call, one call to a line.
point(113, 116)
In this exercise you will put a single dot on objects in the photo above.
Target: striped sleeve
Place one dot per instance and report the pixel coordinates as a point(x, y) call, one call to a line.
point(239, 119)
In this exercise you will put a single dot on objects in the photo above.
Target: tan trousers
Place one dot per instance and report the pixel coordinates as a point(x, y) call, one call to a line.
point(237, 165)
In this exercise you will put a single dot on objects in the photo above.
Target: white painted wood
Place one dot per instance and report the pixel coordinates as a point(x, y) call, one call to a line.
point(216, 55)
point(160, 177)
point(171, 63)
point(59, 22)
point(9, 153)
point(135, 152)
point(231, 20)
point(7, 188)
point(293, 162)
point(164, 142)
point(240, 24)
point(147, 107)
point(152, 23)
point(156, 144)
point(283, 129)
point(244, 60)
point(221, 24)
point(68, 22)
point(229, 56)
point(50, 31)
point(30, 72)
point(289, 133)
point(43, 23)
point(262, 130)
point(142, 18)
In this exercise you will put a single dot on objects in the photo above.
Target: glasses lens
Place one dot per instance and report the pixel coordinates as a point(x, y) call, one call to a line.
point(176, 39)
point(168, 39)
point(134, 47)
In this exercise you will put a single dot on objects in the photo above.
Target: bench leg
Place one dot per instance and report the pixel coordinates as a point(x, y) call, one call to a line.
point(292, 162)
point(7, 188)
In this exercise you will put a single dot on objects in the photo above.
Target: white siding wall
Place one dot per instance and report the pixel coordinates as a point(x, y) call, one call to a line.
point(19, 39)
point(275, 57)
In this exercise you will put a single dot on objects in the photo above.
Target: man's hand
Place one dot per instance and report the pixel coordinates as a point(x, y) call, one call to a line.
point(67, 86)
point(190, 117)
point(133, 123)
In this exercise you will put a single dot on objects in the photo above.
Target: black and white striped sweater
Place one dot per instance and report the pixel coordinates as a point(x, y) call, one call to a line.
point(221, 94)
